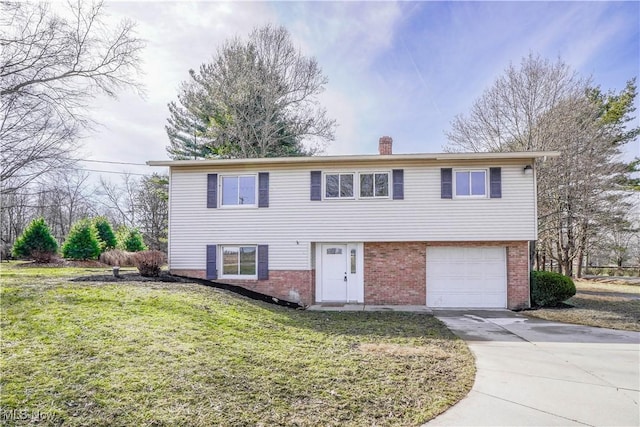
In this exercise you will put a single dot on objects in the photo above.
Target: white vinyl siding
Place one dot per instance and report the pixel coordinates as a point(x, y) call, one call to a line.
point(292, 221)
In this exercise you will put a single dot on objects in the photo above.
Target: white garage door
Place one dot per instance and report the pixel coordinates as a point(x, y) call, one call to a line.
point(467, 277)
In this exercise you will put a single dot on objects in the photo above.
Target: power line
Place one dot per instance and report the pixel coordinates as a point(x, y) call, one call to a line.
point(119, 173)
point(111, 162)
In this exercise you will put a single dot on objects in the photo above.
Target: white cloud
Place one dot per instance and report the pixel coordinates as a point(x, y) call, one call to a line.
point(180, 36)
point(347, 39)
point(403, 69)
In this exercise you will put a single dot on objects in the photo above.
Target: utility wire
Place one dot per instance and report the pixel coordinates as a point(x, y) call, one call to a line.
point(113, 163)
point(119, 173)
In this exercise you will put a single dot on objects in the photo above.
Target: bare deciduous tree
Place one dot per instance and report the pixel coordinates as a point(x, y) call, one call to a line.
point(67, 198)
point(256, 99)
point(120, 200)
point(578, 192)
point(507, 117)
point(153, 210)
point(139, 203)
point(50, 69)
point(545, 106)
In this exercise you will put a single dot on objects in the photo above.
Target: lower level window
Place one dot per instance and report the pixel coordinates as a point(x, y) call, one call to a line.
point(239, 262)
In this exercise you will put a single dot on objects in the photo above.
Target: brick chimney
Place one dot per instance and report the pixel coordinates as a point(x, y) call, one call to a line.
point(384, 146)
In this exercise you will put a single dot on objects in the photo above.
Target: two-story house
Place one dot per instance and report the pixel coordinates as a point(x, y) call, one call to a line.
point(441, 230)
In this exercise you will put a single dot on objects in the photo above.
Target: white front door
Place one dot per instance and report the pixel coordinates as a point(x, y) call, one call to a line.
point(339, 272)
point(334, 273)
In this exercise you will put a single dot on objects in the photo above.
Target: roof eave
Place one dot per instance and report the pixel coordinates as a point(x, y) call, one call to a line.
point(360, 158)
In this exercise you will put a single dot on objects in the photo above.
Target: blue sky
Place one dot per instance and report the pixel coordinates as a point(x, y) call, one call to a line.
point(400, 69)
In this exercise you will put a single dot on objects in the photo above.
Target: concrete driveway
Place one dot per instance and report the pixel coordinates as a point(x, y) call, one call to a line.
point(533, 372)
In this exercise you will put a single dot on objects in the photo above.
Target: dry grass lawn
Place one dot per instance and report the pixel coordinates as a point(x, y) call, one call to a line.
point(606, 305)
point(182, 354)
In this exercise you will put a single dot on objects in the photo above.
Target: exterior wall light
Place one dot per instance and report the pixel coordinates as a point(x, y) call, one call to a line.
point(528, 170)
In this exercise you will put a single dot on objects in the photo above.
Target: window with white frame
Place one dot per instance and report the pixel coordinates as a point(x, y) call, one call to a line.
point(239, 262)
point(239, 190)
point(471, 183)
point(338, 186)
point(375, 184)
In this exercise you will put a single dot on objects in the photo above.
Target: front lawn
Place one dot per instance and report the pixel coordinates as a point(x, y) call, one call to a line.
point(133, 353)
point(598, 304)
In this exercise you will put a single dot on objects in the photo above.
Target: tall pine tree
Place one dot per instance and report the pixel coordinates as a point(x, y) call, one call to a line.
point(257, 98)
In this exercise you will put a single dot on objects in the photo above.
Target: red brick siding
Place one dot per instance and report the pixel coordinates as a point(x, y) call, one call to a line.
point(518, 276)
point(394, 273)
point(289, 285)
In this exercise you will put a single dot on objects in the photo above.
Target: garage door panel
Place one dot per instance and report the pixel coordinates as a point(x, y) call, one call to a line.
point(467, 300)
point(472, 286)
point(441, 269)
point(466, 277)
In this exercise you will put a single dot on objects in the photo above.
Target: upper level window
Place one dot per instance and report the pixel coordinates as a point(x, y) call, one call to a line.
point(239, 262)
point(338, 185)
point(471, 183)
point(239, 190)
point(374, 184)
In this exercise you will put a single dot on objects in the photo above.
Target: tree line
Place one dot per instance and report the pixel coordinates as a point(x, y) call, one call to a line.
point(52, 66)
point(131, 206)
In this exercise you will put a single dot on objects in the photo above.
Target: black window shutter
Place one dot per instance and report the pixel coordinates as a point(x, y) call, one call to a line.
point(263, 190)
point(212, 190)
point(495, 183)
point(398, 184)
point(212, 271)
point(263, 262)
point(446, 183)
point(316, 185)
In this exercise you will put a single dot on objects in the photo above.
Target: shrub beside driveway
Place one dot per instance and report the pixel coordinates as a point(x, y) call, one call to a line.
point(152, 353)
point(606, 305)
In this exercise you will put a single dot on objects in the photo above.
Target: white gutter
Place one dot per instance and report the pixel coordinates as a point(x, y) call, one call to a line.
point(519, 155)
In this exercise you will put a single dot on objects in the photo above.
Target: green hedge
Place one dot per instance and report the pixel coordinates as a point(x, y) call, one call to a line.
point(549, 289)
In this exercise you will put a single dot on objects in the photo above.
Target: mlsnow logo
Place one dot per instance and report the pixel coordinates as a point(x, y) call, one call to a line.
point(24, 414)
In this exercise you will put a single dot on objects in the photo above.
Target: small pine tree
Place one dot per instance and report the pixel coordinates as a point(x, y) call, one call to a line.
point(36, 242)
point(121, 235)
point(82, 241)
point(105, 234)
point(133, 241)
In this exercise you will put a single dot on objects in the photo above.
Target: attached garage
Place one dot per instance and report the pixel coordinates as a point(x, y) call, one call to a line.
point(466, 277)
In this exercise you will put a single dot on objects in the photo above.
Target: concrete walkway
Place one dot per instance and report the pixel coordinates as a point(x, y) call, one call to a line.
point(533, 372)
point(368, 307)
